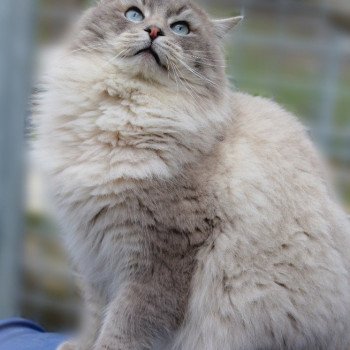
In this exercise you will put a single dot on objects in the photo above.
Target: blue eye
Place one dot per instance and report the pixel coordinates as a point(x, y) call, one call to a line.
point(181, 28)
point(134, 15)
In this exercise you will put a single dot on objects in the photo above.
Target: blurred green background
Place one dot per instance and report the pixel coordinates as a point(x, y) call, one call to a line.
point(295, 52)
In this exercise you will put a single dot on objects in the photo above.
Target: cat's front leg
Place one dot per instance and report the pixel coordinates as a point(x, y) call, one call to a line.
point(69, 345)
point(92, 322)
point(137, 317)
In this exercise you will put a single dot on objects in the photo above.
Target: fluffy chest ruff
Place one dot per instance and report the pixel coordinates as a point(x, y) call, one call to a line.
point(108, 127)
point(118, 162)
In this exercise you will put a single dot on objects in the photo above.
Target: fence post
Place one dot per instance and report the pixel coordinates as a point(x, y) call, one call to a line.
point(17, 21)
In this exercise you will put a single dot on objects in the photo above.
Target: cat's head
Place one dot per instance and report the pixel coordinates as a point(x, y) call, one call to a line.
point(169, 41)
point(141, 93)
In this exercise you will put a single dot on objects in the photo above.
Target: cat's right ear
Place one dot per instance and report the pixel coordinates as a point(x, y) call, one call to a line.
point(223, 26)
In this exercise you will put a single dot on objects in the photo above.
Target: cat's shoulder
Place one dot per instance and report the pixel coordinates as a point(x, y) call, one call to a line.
point(263, 118)
point(266, 149)
point(263, 139)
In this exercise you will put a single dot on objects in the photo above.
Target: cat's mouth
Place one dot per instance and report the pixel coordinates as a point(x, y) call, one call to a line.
point(152, 52)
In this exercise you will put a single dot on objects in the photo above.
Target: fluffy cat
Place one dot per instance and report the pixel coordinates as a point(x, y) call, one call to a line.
point(197, 217)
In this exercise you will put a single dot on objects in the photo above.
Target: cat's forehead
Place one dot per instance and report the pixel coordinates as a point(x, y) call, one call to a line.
point(156, 4)
point(167, 7)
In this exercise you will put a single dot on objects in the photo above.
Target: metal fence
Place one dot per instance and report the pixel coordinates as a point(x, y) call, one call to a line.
point(16, 39)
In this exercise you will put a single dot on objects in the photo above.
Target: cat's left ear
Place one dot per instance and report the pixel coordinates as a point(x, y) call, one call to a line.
point(223, 26)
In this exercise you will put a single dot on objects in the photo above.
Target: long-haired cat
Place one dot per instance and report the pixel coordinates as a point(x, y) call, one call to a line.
point(197, 217)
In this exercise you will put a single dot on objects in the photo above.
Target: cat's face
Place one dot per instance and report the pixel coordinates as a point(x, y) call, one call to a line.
point(168, 41)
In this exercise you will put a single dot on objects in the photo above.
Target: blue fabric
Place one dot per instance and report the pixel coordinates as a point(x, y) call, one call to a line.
point(20, 334)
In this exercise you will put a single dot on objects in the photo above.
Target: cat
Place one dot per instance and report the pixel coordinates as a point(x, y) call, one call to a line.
point(198, 217)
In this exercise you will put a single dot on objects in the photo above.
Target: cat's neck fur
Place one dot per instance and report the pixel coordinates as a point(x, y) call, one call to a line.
point(112, 129)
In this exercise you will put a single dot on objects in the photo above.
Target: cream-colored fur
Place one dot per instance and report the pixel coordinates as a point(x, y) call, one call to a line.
point(206, 222)
point(277, 275)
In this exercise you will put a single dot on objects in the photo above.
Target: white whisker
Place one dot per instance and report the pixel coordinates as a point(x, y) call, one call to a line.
point(198, 59)
point(191, 91)
point(115, 57)
point(196, 73)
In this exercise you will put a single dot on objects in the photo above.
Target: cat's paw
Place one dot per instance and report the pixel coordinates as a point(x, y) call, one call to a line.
point(69, 345)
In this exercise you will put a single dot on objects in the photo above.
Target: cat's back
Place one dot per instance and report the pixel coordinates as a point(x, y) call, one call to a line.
point(275, 193)
point(271, 173)
point(263, 122)
point(265, 142)
point(282, 249)
point(268, 148)
point(279, 261)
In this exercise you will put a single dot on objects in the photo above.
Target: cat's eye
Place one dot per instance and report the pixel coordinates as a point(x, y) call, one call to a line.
point(181, 28)
point(134, 15)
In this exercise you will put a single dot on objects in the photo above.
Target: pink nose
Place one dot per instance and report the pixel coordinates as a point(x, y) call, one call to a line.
point(154, 32)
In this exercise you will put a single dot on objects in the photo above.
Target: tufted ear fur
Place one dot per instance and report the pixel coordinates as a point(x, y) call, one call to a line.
point(223, 26)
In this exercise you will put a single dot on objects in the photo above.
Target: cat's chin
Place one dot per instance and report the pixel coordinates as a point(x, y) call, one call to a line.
point(147, 66)
point(150, 54)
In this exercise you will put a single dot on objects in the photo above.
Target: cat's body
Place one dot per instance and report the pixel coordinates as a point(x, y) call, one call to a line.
point(197, 215)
